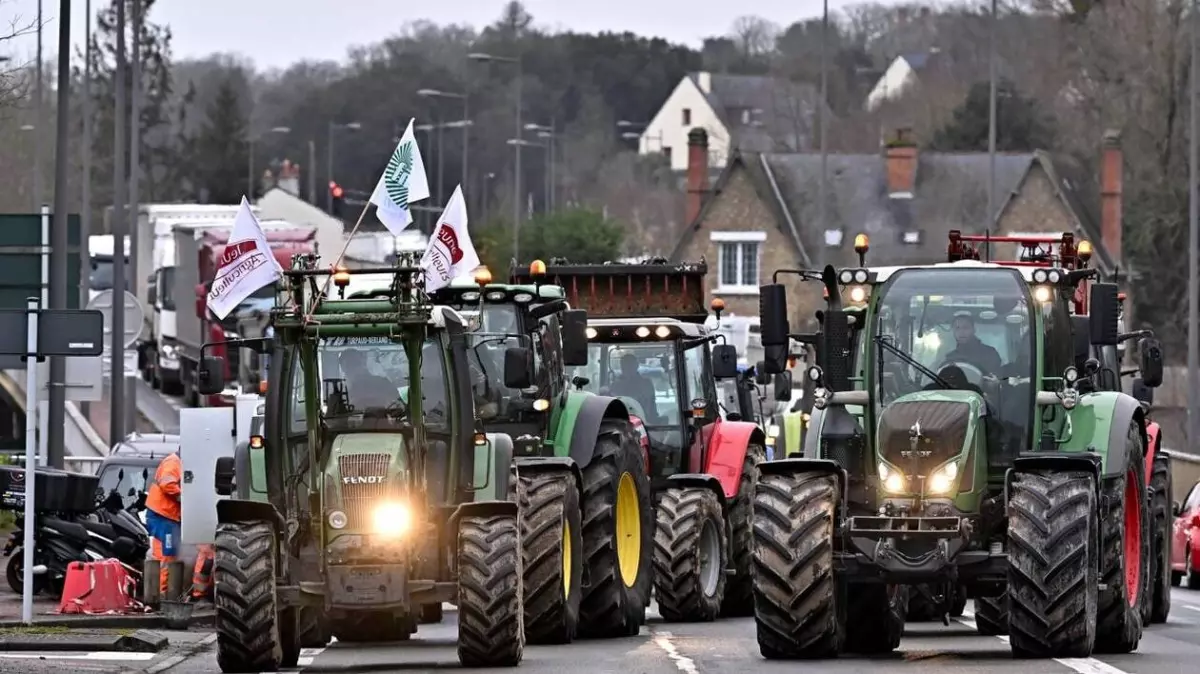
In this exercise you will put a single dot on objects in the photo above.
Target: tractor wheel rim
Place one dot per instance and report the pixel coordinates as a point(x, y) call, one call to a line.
point(629, 530)
point(1133, 540)
point(566, 558)
point(710, 558)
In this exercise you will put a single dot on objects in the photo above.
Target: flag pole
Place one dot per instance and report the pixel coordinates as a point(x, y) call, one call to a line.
point(333, 267)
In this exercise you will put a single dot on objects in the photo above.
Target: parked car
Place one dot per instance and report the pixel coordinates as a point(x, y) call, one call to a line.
point(1185, 551)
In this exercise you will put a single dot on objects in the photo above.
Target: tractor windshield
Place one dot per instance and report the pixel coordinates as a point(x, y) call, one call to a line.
point(494, 318)
point(493, 400)
point(641, 375)
point(970, 328)
point(367, 378)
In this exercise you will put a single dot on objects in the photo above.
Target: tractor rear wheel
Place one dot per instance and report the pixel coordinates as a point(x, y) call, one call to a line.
point(864, 605)
point(739, 590)
point(618, 535)
point(991, 615)
point(1052, 573)
point(1124, 559)
point(250, 633)
point(799, 608)
point(1161, 528)
point(491, 630)
point(690, 555)
point(552, 545)
point(373, 627)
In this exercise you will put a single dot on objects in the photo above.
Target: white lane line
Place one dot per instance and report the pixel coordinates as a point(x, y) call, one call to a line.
point(107, 656)
point(1191, 608)
point(176, 659)
point(1080, 665)
point(682, 662)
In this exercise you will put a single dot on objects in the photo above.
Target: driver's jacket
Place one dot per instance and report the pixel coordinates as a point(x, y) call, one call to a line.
point(976, 353)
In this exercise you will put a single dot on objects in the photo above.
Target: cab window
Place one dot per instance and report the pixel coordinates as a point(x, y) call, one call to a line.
point(1059, 342)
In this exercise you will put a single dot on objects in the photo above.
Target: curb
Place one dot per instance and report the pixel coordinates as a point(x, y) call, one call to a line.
point(188, 652)
point(145, 621)
point(139, 642)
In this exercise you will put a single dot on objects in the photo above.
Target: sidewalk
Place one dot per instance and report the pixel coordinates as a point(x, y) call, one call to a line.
point(98, 412)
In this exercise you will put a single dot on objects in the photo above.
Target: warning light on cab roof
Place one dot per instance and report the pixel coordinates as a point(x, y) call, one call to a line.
point(537, 268)
point(483, 276)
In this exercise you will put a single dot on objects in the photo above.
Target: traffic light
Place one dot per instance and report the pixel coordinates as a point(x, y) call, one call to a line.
point(336, 194)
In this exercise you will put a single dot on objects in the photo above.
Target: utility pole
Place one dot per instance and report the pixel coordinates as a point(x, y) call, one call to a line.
point(312, 172)
point(85, 198)
point(117, 353)
point(55, 441)
point(821, 104)
point(135, 171)
point(991, 192)
point(1193, 435)
point(40, 106)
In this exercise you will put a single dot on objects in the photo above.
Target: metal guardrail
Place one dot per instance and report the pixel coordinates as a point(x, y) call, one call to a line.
point(75, 464)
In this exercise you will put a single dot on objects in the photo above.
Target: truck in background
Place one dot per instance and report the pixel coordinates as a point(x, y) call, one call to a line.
point(199, 247)
point(100, 256)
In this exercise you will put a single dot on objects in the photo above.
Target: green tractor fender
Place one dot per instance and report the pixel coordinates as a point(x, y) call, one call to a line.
point(232, 511)
point(791, 433)
point(1100, 424)
point(582, 417)
point(493, 464)
point(537, 465)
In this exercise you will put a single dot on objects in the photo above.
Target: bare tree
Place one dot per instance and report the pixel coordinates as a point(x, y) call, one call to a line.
point(755, 36)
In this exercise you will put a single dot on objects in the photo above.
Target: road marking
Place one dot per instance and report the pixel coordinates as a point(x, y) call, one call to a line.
point(107, 656)
point(1080, 665)
point(176, 659)
point(682, 662)
point(1191, 608)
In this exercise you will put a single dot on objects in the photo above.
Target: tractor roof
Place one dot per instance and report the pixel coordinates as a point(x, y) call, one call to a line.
point(883, 273)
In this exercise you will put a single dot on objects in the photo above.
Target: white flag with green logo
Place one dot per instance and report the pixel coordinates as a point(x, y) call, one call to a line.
point(403, 182)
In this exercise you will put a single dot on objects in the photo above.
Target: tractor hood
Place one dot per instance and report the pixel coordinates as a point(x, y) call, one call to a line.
point(365, 470)
point(920, 431)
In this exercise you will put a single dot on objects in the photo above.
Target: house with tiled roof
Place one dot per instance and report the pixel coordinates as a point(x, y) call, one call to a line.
point(762, 213)
point(901, 74)
point(749, 113)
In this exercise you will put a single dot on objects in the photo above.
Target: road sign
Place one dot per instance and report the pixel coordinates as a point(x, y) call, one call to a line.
point(135, 315)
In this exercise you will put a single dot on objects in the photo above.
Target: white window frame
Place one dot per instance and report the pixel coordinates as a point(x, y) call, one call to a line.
point(719, 238)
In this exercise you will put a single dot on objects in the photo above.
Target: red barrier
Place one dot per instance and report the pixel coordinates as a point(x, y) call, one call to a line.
point(98, 587)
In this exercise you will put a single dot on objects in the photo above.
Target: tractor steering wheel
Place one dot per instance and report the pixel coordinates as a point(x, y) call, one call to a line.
point(973, 373)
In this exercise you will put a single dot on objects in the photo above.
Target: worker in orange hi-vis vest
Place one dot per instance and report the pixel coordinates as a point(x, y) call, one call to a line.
point(162, 516)
point(202, 572)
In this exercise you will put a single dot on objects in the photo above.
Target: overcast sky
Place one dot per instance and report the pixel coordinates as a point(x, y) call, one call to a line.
point(275, 33)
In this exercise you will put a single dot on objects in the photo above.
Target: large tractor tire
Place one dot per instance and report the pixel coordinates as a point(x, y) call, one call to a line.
point(431, 614)
point(618, 535)
point(1161, 521)
point(1052, 572)
point(921, 606)
point(491, 621)
point(552, 545)
point(690, 555)
point(991, 615)
point(370, 627)
point(251, 632)
point(799, 608)
point(314, 628)
point(865, 632)
point(739, 589)
point(1124, 559)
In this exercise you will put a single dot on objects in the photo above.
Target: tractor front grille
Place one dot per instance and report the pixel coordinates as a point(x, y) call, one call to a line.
point(358, 496)
point(942, 426)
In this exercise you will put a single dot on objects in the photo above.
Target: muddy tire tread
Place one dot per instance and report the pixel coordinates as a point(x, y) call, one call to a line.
point(680, 516)
point(249, 638)
point(1161, 523)
point(739, 588)
point(1119, 625)
point(547, 499)
point(491, 620)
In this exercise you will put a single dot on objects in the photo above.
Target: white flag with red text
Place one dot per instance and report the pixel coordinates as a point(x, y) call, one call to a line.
point(450, 253)
point(246, 265)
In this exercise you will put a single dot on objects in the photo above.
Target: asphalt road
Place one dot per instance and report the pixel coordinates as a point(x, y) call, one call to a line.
point(729, 646)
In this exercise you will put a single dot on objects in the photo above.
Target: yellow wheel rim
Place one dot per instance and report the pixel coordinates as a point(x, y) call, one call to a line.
point(566, 558)
point(629, 530)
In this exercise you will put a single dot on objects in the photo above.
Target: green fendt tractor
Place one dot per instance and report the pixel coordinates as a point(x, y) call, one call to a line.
point(372, 474)
point(587, 542)
point(983, 454)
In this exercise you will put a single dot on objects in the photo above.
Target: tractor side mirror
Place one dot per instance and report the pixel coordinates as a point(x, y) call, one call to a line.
point(212, 375)
point(836, 351)
point(518, 367)
point(223, 476)
point(1152, 362)
point(574, 337)
point(772, 310)
point(1103, 311)
point(724, 361)
point(761, 376)
point(1140, 391)
point(783, 387)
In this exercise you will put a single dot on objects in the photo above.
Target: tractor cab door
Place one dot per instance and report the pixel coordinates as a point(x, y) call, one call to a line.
point(697, 386)
point(551, 375)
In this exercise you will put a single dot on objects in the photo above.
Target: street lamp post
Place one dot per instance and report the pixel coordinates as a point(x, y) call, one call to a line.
point(548, 136)
point(517, 144)
point(516, 61)
point(335, 126)
point(466, 128)
point(39, 101)
point(250, 161)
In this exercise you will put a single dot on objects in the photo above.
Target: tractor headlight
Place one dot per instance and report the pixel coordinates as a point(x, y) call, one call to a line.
point(392, 519)
point(893, 480)
point(337, 520)
point(942, 479)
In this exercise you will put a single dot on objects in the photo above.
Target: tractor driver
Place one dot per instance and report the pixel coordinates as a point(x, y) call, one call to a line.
point(634, 384)
point(970, 349)
point(365, 389)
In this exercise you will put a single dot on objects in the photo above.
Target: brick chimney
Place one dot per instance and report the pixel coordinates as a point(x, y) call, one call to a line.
point(697, 173)
point(1111, 179)
point(900, 155)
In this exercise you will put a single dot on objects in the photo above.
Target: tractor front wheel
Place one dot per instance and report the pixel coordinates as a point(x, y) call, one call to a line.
point(1160, 522)
point(251, 634)
point(864, 606)
point(991, 615)
point(799, 608)
point(491, 630)
point(1124, 558)
point(552, 545)
point(739, 592)
point(690, 555)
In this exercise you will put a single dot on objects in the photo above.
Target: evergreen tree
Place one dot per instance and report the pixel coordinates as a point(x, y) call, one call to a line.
point(221, 149)
point(1020, 126)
